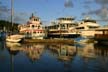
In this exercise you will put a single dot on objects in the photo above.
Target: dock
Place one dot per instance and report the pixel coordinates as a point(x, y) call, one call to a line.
point(65, 41)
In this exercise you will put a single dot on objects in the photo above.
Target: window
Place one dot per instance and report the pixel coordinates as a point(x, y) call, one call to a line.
point(32, 26)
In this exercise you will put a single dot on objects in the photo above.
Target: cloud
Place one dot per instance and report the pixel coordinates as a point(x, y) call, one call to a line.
point(3, 8)
point(5, 14)
point(19, 17)
point(4, 11)
point(102, 2)
point(68, 4)
point(88, 1)
point(101, 12)
point(87, 7)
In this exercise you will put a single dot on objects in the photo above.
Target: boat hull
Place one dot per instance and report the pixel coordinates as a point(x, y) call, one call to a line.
point(35, 36)
point(63, 35)
point(14, 40)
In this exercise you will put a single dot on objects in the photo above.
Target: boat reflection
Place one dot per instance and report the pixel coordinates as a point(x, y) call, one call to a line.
point(68, 56)
point(33, 51)
point(2, 45)
point(64, 52)
point(91, 50)
point(101, 50)
point(88, 51)
point(13, 46)
point(13, 49)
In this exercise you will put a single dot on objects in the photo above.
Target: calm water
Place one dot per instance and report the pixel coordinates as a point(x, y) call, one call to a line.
point(38, 57)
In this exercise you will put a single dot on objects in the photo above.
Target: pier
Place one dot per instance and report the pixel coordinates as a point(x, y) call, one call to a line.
point(102, 36)
point(65, 41)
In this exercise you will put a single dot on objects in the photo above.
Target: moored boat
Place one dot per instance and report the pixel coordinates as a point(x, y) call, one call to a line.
point(14, 38)
point(63, 27)
point(87, 27)
point(33, 29)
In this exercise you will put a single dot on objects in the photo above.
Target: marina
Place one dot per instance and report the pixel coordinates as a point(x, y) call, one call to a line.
point(53, 36)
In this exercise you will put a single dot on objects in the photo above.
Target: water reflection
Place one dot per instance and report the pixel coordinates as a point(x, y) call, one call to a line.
point(13, 47)
point(101, 50)
point(40, 57)
point(64, 52)
point(33, 51)
point(2, 45)
point(88, 51)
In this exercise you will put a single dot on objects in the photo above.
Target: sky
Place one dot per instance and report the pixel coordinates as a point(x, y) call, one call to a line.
point(49, 10)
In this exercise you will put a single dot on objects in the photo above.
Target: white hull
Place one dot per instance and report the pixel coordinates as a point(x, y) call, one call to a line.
point(10, 44)
point(88, 33)
point(38, 37)
point(35, 36)
point(13, 40)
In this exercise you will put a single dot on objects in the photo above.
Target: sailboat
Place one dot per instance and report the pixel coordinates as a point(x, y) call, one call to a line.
point(15, 37)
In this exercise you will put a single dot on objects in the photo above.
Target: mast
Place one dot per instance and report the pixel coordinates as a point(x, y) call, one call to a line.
point(12, 12)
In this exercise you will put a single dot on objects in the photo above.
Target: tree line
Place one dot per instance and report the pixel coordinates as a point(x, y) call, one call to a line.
point(8, 26)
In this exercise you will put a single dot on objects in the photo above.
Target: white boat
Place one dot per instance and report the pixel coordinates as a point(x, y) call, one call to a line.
point(14, 38)
point(87, 27)
point(63, 27)
point(33, 29)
